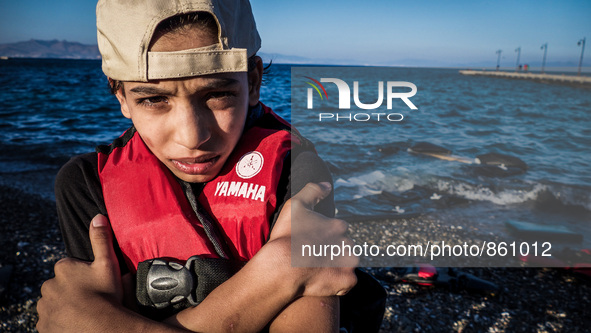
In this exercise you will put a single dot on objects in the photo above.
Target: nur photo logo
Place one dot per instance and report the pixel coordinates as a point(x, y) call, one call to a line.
point(391, 90)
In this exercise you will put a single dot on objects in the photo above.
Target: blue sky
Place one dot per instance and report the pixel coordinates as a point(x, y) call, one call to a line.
point(381, 32)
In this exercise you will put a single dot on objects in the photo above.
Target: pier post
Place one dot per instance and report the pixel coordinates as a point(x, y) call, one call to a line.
point(545, 48)
point(518, 50)
point(582, 41)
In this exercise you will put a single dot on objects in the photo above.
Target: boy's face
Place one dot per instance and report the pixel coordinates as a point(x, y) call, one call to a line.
point(192, 124)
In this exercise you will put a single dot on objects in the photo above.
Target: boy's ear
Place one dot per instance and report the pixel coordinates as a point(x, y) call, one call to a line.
point(255, 78)
point(123, 102)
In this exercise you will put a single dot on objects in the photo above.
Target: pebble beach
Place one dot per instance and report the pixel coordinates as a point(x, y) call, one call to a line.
point(530, 299)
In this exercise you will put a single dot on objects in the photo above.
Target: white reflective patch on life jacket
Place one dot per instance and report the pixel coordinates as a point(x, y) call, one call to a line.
point(240, 189)
point(249, 165)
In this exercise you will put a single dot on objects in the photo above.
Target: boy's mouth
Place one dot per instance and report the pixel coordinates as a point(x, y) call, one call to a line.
point(196, 166)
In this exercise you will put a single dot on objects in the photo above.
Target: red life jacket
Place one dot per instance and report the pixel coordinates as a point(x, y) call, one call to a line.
point(152, 218)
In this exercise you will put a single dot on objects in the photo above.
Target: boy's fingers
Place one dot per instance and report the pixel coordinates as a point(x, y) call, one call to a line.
point(101, 239)
point(313, 193)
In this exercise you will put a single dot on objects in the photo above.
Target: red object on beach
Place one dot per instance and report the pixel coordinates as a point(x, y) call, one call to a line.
point(427, 271)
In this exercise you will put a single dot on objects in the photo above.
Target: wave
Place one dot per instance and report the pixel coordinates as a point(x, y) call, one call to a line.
point(494, 195)
point(428, 191)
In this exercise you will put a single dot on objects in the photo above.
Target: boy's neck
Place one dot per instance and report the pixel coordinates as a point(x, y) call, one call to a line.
point(254, 113)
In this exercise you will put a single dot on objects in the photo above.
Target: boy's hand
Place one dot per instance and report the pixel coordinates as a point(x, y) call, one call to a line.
point(71, 302)
point(301, 225)
point(304, 202)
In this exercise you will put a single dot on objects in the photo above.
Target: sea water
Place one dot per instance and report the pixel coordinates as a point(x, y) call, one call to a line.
point(54, 109)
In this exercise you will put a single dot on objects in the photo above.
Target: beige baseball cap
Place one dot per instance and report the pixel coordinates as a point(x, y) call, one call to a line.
point(125, 29)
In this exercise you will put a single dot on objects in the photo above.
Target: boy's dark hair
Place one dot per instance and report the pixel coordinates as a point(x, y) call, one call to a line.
point(202, 20)
point(177, 24)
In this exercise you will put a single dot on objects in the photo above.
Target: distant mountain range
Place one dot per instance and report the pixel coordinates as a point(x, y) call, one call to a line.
point(278, 58)
point(49, 49)
point(73, 50)
point(35, 48)
point(62, 49)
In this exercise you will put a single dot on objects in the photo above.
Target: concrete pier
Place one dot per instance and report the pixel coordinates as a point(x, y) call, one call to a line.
point(548, 78)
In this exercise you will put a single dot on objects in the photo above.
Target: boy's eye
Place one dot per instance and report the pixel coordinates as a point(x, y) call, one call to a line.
point(220, 94)
point(152, 101)
point(220, 99)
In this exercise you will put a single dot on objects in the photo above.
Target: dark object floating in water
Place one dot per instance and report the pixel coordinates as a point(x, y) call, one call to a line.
point(404, 197)
point(501, 160)
point(543, 232)
point(429, 148)
point(388, 150)
point(491, 164)
point(436, 151)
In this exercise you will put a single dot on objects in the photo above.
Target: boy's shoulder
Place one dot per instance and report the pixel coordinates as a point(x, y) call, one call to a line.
point(79, 164)
point(79, 171)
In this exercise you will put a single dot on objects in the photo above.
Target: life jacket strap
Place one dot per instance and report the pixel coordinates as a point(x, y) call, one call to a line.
point(211, 229)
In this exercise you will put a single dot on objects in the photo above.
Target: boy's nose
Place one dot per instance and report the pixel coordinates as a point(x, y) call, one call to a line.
point(192, 126)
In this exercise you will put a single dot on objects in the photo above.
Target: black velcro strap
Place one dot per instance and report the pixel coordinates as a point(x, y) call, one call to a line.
point(211, 272)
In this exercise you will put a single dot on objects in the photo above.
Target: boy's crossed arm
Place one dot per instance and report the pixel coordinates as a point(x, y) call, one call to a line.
point(87, 296)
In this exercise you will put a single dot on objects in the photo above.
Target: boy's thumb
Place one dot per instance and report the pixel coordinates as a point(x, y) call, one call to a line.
point(101, 239)
point(313, 193)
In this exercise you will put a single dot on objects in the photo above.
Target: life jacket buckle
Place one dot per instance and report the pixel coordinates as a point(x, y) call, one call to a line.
point(165, 287)
point(168, 283)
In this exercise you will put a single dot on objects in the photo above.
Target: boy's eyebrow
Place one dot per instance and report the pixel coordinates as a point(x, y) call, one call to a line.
point(146, 90)
point(217, 83)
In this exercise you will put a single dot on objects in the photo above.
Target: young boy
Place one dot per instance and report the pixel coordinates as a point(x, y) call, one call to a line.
point(204, 171)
